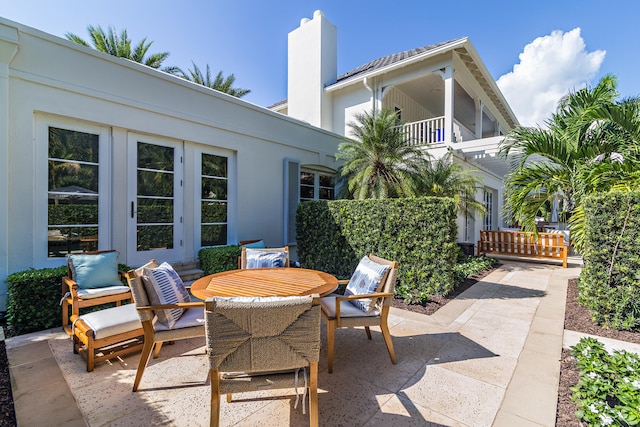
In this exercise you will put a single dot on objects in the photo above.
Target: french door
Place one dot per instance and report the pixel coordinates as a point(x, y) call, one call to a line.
point(155, 200)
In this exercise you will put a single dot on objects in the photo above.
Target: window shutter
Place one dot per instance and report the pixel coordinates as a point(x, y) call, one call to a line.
point(291, 199)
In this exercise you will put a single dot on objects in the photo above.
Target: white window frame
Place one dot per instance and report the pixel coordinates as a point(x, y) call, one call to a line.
point(316, 182)
point(41, 217)
point(231, 194)
point(488, 204)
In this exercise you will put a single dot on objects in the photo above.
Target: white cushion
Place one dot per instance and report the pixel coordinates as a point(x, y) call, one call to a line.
point(102, 292)
point(264, 259)
point(112, 321)
point(564, 232)
point(191, 317)
point(346, 309)
point(366, 280)
point(164, 286)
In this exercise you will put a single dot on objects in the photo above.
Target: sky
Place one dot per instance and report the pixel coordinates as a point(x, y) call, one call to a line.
point(536, 51)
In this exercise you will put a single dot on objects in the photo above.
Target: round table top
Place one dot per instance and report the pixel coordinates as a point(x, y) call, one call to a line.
point(264, 282)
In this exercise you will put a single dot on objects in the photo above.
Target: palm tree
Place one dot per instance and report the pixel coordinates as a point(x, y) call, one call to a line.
point(220, 83)
point(121, 46)
point(380, 161)
point(445, 178)
point(590, 145)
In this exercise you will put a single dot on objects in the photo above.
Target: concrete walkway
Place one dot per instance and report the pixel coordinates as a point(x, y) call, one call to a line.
point(490, 357)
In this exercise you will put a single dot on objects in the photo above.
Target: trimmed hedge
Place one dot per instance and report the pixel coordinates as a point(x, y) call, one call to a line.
point(609, 284)
point(419, 233)
point(217, 259)
point(33, 300)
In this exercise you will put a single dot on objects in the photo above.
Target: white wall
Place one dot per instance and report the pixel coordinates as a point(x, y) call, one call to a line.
point(51, 79)
point(411, 110)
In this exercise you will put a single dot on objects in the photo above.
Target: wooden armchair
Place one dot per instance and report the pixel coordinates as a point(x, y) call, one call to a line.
point(339, 312)
point(285, 330)
point(92, 279)
point(264, 257)
point(189, 325)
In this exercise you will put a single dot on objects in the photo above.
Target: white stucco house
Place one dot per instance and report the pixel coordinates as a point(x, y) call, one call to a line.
point(443, 93)
point(98, 152)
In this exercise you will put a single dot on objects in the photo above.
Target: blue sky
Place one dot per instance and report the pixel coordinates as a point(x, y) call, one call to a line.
point(568, 43)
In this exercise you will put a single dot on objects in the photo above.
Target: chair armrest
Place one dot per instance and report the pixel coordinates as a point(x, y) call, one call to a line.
point(339, 299)
point(172, 306)
point(70, 286)
point(364, 296)
point(343, 281)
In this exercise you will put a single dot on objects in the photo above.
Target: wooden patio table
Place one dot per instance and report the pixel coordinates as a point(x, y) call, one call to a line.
point(265, 282)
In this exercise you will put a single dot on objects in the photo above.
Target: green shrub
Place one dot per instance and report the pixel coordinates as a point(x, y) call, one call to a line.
point(419, 233)
point(468, 265)
point(608, 391)
point(33, 300)
point(608, 284)
point(217, 259)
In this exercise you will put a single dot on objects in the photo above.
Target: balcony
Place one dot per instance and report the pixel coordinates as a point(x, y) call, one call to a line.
point(425, 132)
point(431, 131)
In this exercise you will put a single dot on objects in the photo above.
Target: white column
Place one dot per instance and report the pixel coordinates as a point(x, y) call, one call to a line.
point(447, 76)
point(479, 107)
point(8, 49)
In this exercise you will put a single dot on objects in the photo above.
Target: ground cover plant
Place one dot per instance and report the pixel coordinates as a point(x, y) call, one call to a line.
point(608, 391)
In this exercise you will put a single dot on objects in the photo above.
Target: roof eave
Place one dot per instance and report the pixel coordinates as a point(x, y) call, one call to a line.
point(397, 65)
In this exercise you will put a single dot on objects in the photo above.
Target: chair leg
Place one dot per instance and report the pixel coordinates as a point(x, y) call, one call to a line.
point(156, 352)
point(91, 352)
point(214, 377)
point(144, 359)
point(313, 394)
point(331, 329)
point(387, 336)
point(366, 328)
point(65, 316)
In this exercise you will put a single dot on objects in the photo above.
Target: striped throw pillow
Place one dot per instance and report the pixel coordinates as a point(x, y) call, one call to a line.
point(164, 286)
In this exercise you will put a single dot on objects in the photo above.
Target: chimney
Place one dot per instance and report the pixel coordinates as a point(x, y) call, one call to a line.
point(313, 64)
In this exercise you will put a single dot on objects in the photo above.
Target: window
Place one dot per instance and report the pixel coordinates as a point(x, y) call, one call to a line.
point(214, 200)
point(313, 182)
point(398, 112)
point(73, 191)
point(316, 186)
point(488, 204)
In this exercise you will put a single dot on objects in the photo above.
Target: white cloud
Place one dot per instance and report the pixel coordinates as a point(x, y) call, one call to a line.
point(549, 67)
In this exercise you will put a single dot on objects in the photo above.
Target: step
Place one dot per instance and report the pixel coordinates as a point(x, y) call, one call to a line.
point(185, 266)
point(190, 275)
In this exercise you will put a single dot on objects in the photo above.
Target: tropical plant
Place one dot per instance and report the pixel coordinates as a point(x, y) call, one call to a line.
point(120, 45)
point(445, 178)
point(590, 145)
point(379, 161)
point(220, 83)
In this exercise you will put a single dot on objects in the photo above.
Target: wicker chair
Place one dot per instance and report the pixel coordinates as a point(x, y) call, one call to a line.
point(190, 325)
point(268, 340)
point(338, 312)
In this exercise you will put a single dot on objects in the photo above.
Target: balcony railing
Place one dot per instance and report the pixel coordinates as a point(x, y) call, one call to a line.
point(425, 132)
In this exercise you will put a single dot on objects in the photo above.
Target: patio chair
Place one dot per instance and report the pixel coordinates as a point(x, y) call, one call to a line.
point(175, 316)
point(264, 257)
point(263, 343)
point(365, 303)
point(92, 279)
